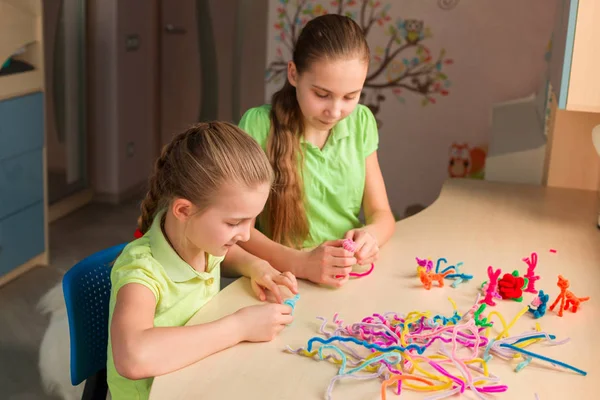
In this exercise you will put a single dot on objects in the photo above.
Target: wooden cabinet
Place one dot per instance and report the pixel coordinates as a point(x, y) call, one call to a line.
point(575, 65)
point(23, 204)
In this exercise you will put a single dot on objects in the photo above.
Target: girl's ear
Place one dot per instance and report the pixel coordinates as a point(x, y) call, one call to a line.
point(182, 209)
point(292, 73)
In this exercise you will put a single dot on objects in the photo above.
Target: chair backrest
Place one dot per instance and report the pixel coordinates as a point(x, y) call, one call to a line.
point(86, 287)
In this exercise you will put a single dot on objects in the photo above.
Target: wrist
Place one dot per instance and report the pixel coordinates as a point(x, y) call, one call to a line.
point(297, 263)
point(255, 267)
point(372, 230)
point(237, 327)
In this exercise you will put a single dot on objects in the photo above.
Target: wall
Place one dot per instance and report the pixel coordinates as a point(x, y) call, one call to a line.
point(103, 96)
point(124, 86)
point(572, 159)
point(56, 152)
point(494, 52)
point(137, 76)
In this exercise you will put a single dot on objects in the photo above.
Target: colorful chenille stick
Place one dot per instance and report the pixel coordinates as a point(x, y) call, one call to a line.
point(425, 264)
point(530, 275)
point(566, 298)
point(427, 275)
point(396, 346)
point(427, 278)
point(456, 274)
point(490, 288)
point(539, 304)
point(511, 286)
point(479, 321)
point(292, 302)
point(350, 245)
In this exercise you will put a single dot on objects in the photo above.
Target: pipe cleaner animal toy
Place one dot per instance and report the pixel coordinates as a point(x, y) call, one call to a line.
point(531, 277)
point(450, 272)
point(427, 278)
point(538, 305)
point(490, 288)
point(567, 295)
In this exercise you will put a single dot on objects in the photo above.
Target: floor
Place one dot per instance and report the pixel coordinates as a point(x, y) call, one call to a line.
point(73, 237)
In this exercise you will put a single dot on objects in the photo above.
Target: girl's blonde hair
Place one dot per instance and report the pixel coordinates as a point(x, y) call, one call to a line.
point(328, 37)
point(198, 162)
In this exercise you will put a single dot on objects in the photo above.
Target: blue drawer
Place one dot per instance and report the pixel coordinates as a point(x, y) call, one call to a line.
point(21, 124)
point(21, 237)
point(21, 182)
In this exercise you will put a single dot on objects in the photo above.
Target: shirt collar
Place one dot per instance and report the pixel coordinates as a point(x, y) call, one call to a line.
point(339, 131)
point(176, 268)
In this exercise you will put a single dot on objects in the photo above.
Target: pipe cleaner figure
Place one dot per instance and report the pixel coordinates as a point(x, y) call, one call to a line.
point(427, 265)
point(427, 278)
point(511, 286)
point(538, 305)
point(450, 272)
point(531, 264)
point(479, 321)
point(567, 295)
point(490, 288)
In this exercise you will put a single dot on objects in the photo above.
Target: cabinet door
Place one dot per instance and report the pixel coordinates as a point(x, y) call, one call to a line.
point(21, 182)
point(21, 124)
point(21, 237)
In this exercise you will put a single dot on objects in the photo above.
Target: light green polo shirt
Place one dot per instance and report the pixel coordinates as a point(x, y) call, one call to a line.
point(334, 177)
point(179, 289)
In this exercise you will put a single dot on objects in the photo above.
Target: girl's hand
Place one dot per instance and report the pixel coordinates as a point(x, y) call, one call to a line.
point(264, 276)
point(329, 264)
point(263, 322)
point(367, 248)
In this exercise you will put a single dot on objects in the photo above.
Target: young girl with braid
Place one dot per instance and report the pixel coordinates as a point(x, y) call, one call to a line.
point(323, 147)
point(208, 186)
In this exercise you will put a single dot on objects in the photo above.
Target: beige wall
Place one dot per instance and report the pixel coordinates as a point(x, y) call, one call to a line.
point(123, 86)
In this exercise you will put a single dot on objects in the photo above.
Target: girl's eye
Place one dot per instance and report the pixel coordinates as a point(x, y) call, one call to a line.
point(322, 96)
point(233, 225)
point(350, 98)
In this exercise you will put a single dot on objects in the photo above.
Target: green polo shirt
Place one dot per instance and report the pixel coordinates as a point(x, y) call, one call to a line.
point(334, 177)
point(179, 289)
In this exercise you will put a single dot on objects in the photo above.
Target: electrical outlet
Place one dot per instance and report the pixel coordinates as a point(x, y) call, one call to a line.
point(130, 149)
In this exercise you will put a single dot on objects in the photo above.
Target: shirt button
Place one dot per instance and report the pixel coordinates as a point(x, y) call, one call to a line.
point(210, 281)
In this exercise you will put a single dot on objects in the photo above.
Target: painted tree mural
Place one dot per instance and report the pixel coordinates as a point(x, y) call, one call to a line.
point(402, 63)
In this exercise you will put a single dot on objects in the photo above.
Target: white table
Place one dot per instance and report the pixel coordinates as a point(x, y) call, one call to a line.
point(477, 222)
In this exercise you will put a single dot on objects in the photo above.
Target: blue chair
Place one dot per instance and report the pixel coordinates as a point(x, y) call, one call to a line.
point(86, 287)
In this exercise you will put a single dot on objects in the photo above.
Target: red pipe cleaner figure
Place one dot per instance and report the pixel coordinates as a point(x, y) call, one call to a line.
point(531, 264)
point(571, 299)
point(490, 288)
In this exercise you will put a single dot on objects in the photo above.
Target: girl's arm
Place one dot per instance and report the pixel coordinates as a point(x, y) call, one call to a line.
point(378, 214)
point(141, 350)
point(262, 275)
point(325, 264)
point(281, 257)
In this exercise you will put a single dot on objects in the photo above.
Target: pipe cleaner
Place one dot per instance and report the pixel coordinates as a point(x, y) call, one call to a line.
point(531, 264)
point(539, 304)
point(350, 245)
point(490, 288)
point(567, 295)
